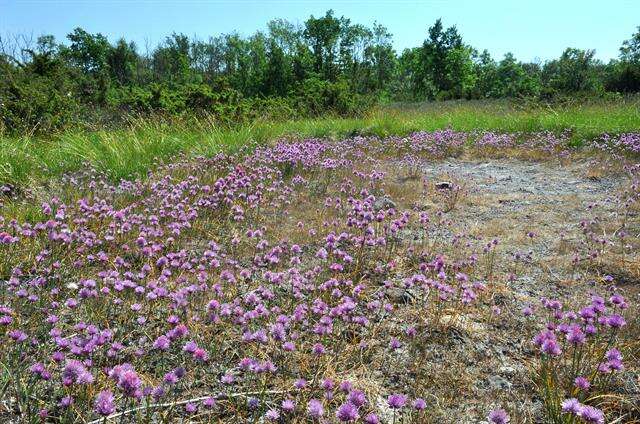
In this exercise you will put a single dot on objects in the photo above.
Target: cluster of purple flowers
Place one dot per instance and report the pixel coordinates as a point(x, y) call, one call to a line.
point(214, 276)
point(587, 413)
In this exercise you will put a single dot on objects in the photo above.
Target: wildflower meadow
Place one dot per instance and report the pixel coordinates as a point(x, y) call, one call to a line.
point(438, 277)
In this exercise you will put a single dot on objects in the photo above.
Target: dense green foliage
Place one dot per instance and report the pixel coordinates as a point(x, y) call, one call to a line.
point(327, 65)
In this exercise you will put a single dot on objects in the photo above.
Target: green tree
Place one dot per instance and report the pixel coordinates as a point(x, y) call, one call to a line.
point(624, 75)
point(630, 50)
point(88, 51)
point(171, 60)
point(380, 58)
point(323, 34)
point(575, 71)
point(278, 72)
point(435, 53)
point(122, 61)
point(513, 80)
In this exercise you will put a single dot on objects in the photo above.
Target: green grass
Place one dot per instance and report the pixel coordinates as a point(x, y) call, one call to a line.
point(25, 161)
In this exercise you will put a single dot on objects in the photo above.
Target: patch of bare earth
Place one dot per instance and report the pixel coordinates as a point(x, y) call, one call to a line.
point(539, 212)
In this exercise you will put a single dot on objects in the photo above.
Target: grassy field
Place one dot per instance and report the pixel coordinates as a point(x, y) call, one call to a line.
point(381, 280)
point(132, 151)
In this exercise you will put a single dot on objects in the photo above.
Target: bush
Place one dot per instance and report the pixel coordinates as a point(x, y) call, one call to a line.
point(34, 103)
point(315, 97)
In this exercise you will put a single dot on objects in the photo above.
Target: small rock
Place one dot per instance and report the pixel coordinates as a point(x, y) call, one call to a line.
point(498, 383)
point(464, 323)
point(385, 413)
point(383, 203)
point(444, 185)
point(507, 370)
point(400, 295)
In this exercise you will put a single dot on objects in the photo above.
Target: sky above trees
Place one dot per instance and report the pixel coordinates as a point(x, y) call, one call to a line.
point(529, 29)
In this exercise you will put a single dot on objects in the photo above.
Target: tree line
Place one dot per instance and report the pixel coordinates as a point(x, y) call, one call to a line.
point(328, 64)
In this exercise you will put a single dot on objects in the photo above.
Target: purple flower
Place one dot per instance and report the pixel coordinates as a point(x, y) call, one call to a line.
point(357, 398)
point(209, 402)
point(190, 346)
point(190, 408)
point(347, 412)
point(613, 355)
point(396, 401)
point(576, 336)
point(75, 372)
point(419, 404)
point(582, 383)
point(550, 347)
point(572, 406)
point(591, 415)
point(371, 419)
point(17, 335)
point(105, 403)
point(616, 321)
point(315, 409)
point(318, 349)
point(498, 416)
point(346, 386)
point(288, 405)
point(66, 401)
point(129, 383)
point(394, 344)
point(162, 343)
point(272, 415)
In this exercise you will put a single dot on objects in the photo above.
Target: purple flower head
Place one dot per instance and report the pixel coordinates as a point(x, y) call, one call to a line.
point(209, 402)
point(272, 415)
point(571, 406)
point(613, 355)
point(616, 321)
point(66, 401)
point(396, 401)
point(582, 383)
point(18, 336)
point(346, 386)
point(288, 405)
point(372, 419)
point(162, 343)
point(499, 416)
point(551, 347)
point(315, 409)
point(105, 403)
point(130, 383)
point(253, 402)
point(357, 398)
point(318, 349)
point(419, 404)
point(75, 372)
point(394, 344)
point(576, 336)
point(328, 384)
point(591, 415)
point(190, 346)
point(170, 378)
point(347, 412)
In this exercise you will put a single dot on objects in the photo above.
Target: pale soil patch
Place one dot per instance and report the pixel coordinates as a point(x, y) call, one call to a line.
point(481, 362)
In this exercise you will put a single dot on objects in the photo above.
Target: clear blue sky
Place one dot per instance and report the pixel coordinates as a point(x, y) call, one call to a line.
point(530, 29)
